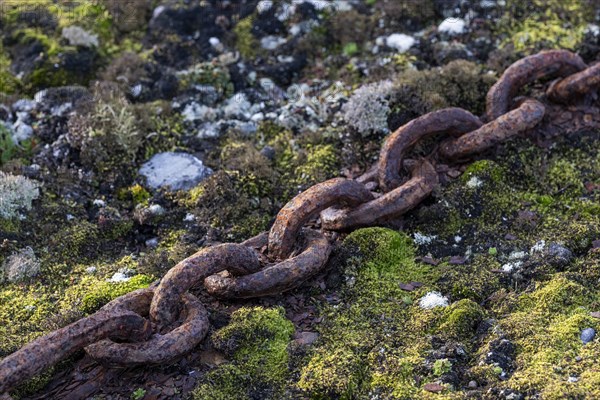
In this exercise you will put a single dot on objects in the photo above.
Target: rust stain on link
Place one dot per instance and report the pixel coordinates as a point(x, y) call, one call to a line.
point(166, 303)
point(546, 64)
point(576, 85)
point(386, 207)
point(277, 278)
point(47, 350)
point(159, 348)
point(453, 121)
point(527, 116)
point(301, 208)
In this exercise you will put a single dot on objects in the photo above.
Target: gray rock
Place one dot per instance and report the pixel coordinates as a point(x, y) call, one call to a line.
point(558, 254)
point(176, 171)
point(268, 152)
point(472, 385)
point(587, 335)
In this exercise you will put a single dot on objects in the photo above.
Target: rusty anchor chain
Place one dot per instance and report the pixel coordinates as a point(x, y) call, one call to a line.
point(161, 323)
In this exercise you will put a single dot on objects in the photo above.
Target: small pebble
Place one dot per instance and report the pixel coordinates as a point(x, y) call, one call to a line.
point(472, 385)
point(587, 335)
point(434, 387)
point(578, 358)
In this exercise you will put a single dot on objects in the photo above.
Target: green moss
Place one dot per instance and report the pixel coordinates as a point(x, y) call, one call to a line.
point(543, 24)
point(377, 340)
point(484, 170)
point(546, 330)
point(475, 281)
point(207, 74)
point(461, 319)
point(256, 340)
point(78, 240)
point(91, 293)
point(7, 145)
point(137, 193)
point(245, 41)
point(459, 83)
point(442, 366)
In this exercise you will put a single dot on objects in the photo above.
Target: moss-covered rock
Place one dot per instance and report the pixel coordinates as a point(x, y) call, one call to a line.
point(256, 342)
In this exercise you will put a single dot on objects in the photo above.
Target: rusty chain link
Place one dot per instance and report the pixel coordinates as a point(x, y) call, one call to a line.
point(163, 322)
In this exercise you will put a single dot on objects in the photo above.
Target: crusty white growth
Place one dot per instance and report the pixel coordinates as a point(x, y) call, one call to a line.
point(400, 42)
point(21, 265)
point(78, 36)
point(432, 300)
point(368, 108)
point(16, 193)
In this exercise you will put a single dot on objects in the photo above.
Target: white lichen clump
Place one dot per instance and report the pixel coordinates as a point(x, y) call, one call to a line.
point(368, 108)
point(21, 265)
point(16, 193)
point(421, 239)
point(474, 182)
point(452, 26)
point(78, 36)
point(400, 42)
point(432, 300)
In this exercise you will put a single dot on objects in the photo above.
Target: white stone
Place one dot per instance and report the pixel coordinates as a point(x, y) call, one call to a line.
point(177, 171)
point(156, 209)
point(21, 131)
point(593, 29)
point(238, 107)
point(136, 90)
point(272, 42)
point(157, 11)
point(264, 6)
point(452, 26)
point(199, 112)
point(400, 42)
point(432, 300)
point(99, 203)
point(208, 130)
point(91, 270)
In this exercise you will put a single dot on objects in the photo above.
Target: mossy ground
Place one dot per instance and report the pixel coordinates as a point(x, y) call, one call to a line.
point(509, 330)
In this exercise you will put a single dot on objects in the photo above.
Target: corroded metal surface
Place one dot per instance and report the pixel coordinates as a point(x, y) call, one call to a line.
point(300, 209)
point(575, 86)
point(58, 345)
point(159, 348)
point(453, 121)
point(546, 64)
point(236, 258)
point(528, 115)
point(276, 278)
point(386, 207)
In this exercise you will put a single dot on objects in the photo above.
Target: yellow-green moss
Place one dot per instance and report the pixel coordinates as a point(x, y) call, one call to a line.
point(546, 329)
point(91, 293)
point(376, 342)
point(545, 24)
point(245, 41)
point(256, 341)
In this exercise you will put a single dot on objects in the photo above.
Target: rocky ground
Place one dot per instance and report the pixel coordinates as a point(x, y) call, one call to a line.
point(133, 133)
